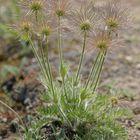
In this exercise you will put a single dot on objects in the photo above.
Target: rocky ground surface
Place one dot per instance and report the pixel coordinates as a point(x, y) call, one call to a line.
point(121, 73)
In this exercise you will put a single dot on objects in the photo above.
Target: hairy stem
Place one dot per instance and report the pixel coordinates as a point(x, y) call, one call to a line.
point(36, 16)
point(60, 52)
point(38, 58)
point(44, 60)
point(49, 68)
point(99, 70)
point(95, 73)
point(60, 41)
point(81, 58)
point(93, 70)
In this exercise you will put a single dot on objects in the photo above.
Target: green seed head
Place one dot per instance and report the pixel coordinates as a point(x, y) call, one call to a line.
point(60, 12)
point(85, 26)
point(46, 31)
point(25, 27)
point(102, 44)
point(36, 6)
point(112, 23)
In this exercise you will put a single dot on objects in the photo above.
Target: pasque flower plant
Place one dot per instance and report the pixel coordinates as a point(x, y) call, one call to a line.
point(73, 103)
point(83, 20)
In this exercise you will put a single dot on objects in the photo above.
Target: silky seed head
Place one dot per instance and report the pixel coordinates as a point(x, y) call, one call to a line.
point(83, 18)
point(60, 12)
point(85, 26)
point(102, 44)
point(36, 6)
point(112, 23)
point(60, 8)
point(46, 31)
point(25, 26)
point(102, 40)
point(115, 16)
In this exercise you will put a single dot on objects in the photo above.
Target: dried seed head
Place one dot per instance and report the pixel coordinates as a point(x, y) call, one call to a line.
point(60, 12)
point(38, 8)
point(85, 25)
point(25, 26)
point(83, 19)
point(60, 7)
point(101, 39)
point(45, 28)
point(112, 23)
point(102, 44)
point(36, 5)
point(115, 17)
point(46, 31)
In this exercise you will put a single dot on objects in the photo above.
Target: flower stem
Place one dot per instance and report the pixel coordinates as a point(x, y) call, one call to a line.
point(38, 59)
point(99, 69)
point(93, 78)
point(52, 86)
point(36, 16)
point(60, 52)
point(92, 70)
point(43, 60)
point(60, 41)
point(81, 58)
point(49, 68)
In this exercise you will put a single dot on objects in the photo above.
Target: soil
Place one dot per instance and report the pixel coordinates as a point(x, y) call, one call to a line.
point(121, 72)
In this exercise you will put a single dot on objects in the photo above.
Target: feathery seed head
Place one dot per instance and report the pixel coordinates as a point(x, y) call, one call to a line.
point(83, 19)
point(25, 26)
point(85, 25)
point(44, 28)
point(112, 23)
point(102, 44)
point(115, 17)
point(46, 31)
point(102, 40)
point(60, 7)
point(36, 5)
point(60, 12)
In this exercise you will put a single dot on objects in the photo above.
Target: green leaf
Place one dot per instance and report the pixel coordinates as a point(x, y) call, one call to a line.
point(61, 135)
point(63, 70)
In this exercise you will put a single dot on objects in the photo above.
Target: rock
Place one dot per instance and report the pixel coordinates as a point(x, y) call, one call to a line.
point(3, 132)
point(138, 66)
point(129, 123)
point(9, 84)
point(14, 126)
point(20, 94)
point(129, 58)
point(136, 110)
